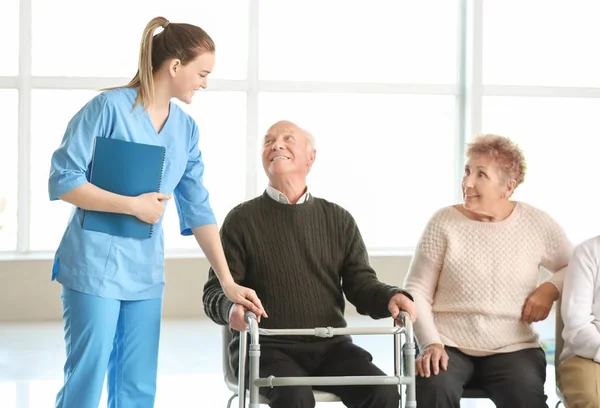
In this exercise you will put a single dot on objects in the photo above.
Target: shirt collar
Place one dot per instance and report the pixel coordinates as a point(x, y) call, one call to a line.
point(281, 198)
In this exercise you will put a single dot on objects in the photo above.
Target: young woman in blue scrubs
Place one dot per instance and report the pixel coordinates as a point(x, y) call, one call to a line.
point(112, 286)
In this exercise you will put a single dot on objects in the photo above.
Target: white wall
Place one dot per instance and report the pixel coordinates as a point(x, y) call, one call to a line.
point(27, 294)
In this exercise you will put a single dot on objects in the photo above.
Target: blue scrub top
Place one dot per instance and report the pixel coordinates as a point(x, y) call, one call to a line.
point(111, 266)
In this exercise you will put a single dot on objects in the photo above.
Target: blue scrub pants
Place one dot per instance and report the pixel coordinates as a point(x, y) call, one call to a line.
point(115, 335)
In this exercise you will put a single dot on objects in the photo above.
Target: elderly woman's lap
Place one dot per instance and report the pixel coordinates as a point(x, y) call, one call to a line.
point(511, 380)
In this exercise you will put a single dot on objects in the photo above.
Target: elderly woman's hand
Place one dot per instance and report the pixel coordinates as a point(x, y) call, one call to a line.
point(539, 303)
point(431, 359)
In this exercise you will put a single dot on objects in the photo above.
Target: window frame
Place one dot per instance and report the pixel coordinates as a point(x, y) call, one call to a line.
point(468, 90)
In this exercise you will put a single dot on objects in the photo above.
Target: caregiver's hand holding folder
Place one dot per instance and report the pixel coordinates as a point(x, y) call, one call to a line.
point(147, 207)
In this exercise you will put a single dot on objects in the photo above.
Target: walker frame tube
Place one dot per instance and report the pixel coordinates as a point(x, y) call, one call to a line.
point(255, 382)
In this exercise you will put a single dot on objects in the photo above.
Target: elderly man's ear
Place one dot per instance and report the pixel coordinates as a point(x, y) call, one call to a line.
point(311, 158)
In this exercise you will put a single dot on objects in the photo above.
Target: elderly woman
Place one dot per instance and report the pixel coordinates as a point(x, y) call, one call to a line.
point(474, 278)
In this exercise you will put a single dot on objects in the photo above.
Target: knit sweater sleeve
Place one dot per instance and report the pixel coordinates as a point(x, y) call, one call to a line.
point(422, 279)
point(216, 304)
point(359, 281)
point(558, 252)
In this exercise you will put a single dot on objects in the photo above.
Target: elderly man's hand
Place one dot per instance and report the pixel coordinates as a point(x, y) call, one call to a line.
point(400, 302)
point(539, 303)
point(237, 318)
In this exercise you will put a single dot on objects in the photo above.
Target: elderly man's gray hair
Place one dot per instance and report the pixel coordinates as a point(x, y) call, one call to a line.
point(311, 139)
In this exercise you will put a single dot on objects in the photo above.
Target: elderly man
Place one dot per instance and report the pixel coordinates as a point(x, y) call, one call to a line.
point(302, 254)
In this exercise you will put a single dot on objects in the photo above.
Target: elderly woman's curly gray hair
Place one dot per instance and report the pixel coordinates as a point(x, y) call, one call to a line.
point(507, 154)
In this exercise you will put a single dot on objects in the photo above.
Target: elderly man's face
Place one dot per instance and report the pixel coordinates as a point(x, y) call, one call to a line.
point(287, 150)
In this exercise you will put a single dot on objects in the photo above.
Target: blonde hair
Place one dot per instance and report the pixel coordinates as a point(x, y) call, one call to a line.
point(177, 40)
point(504, 151)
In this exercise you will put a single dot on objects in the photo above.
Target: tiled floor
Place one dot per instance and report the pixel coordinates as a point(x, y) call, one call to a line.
point(31, 358)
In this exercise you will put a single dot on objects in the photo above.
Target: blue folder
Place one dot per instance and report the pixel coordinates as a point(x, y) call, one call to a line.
point(128, 169)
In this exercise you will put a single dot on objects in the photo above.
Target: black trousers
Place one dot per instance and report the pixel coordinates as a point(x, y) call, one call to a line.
point(328, 357)
point(512, 380)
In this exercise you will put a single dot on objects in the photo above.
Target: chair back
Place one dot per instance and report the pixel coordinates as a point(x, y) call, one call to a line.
point(228, 374)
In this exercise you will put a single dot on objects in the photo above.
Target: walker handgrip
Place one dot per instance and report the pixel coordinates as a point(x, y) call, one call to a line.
point(249, 315)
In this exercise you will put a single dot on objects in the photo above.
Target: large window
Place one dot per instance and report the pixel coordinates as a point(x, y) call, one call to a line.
point(542, 43)
point(561, 140)
point(9, 102)
point(105, 41)
point(8, 171)
point(376, 87)
point(541, 87)
point(383, 41)
point(9, 31)
point(380, 156)
point(391, 91)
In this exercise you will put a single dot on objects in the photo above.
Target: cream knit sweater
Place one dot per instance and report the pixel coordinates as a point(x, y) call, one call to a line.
point(470, 279)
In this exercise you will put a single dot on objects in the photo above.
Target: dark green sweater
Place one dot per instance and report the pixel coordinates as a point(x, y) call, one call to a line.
point(301, 260)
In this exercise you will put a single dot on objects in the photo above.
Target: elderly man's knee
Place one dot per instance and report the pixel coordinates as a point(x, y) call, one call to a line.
point(585, 396)
point(291, 397)
point(386, 396)
point(578, 380)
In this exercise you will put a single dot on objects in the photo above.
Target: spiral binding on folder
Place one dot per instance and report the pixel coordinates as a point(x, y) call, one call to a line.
point(158, 187)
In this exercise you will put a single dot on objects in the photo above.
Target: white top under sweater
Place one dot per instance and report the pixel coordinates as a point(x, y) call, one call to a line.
point(470, 279)
point(581, 303)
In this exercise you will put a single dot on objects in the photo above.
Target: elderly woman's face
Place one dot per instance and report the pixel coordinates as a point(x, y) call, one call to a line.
point(483, 187)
